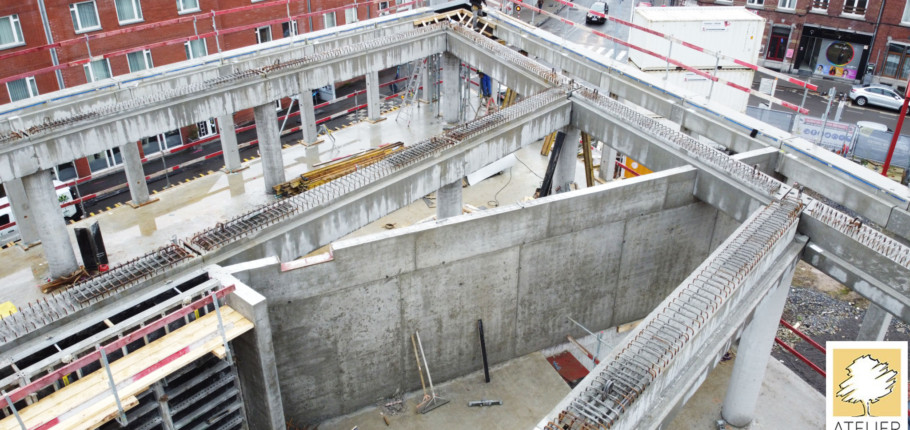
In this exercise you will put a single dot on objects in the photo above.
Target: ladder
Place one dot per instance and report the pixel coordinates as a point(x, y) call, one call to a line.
point(409, 97)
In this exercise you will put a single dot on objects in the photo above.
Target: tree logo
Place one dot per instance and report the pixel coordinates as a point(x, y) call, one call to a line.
point(866, 385)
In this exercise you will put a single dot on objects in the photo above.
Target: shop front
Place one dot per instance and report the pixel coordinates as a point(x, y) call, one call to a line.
point(831, 53)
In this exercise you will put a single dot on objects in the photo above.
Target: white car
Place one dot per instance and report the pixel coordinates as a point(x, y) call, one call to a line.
point(10, 233)
point(878, 95)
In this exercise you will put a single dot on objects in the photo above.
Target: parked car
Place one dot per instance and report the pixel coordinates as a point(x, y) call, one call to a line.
point(877, 95)
point(598, 6)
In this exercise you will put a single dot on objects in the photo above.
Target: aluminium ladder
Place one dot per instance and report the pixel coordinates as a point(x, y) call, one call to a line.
point(409, 97)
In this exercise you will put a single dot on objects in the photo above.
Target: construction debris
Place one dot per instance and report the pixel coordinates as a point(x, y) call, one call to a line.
point(335, 169)
point(485, 403)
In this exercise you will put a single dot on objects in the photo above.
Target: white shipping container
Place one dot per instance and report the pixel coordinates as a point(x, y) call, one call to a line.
point(733, 31)
point(698, 85)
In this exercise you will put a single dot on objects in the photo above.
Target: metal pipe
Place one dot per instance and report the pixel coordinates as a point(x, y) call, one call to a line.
point(50, 41)
point(483, 351)
point(583, 349)
point(799, 356)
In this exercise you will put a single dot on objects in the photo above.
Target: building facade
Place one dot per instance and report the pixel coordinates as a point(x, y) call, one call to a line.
point(853, 40)
point(48, 45)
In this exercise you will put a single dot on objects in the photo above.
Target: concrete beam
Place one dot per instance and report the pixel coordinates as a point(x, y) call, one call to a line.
point(566, 164)
point(451, 67)
point(195, 100)
point(300, 235)
point(307, 114)
point(875, 324)
point(881, 282)
point(48, 217)
point(863, 191)
point(511, 75)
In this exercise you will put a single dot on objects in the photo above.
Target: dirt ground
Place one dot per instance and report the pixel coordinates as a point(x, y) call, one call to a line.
point(825, 310)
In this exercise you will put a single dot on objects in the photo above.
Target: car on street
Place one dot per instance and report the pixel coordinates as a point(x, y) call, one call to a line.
point(876, 95)
point(598, 6)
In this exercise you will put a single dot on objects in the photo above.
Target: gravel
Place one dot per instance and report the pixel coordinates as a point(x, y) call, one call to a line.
point(823, 318)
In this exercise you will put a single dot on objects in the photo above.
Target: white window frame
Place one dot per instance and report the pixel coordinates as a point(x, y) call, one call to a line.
point(137, 13)
point(786, 4)
point(325, 19)
point(77, 24)
point(755, 3)
point(268, 28)
point(905, 18)
point(816, 9)
point(206, 128)
point(384, 8)
point(854, 4)
point(16, 28)
point(292, 28)
point(30, 83)
point(90, 71)
point(189, 49)
point(182, 11)
point(350, 15)
point(146, 56)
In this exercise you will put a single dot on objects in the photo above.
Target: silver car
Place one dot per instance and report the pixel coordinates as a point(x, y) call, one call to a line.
point(878, 95)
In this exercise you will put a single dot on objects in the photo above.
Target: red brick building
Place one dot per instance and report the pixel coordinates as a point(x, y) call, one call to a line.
point(134, 35)
point(839, 39)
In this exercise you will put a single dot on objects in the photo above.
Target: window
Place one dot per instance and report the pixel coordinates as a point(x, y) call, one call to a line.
point(819, 5)
point(195, 49)
point(97, 70)
point(187, 6)
point(85, 16)
point(10, 32)
point(289, 28)
point(755, 2)
point(855, 7)
point(205, 128)
point(897, 63)
point(329, 19)
point(905, 18)
point(350, 15)
point(140, 60)
point(786, 4)
point(383, 8)
point(128, 11)
point(22, 88)
point(263, 34)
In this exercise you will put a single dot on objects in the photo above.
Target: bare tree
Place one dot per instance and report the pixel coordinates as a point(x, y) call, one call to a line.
point(869, 380)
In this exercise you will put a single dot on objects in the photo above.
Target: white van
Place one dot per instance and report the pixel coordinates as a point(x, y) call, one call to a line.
point(11, 233)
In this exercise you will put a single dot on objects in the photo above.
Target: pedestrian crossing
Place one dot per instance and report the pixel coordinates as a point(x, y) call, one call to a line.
point(609, 52)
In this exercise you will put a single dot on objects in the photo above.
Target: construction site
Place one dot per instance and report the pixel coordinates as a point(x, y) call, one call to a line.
point(420, 268)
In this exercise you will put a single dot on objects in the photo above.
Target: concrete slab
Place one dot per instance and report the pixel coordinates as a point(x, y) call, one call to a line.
point(786, 401)
point(528, 387)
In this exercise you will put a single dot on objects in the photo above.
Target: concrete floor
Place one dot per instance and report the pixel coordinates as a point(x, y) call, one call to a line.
point(529, 388)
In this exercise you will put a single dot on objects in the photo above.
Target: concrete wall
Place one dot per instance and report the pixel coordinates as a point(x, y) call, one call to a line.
point(604, 256)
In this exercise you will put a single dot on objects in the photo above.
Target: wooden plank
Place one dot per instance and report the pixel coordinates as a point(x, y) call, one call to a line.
point(85, 403)
point(588, 158)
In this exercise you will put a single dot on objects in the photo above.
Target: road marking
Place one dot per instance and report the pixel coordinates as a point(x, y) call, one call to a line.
point(620, 56)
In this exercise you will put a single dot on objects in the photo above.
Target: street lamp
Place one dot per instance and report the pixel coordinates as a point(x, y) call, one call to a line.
point(897, 131)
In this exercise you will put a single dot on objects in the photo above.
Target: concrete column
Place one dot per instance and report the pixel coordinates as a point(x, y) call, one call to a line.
point(753, 353)
point(25, 221)
point(48, 217)
point(258, 375)
point(308, 118)
point(567, 163)
point(450, 93)
point(607, 163)
point(374, 112)
point(425, 94)
point(230, 150)
point(269, 146)
point(875, 324)
point(135, 176)
point(448, 200)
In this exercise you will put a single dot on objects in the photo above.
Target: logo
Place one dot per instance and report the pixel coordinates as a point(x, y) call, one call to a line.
point(866, 386)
